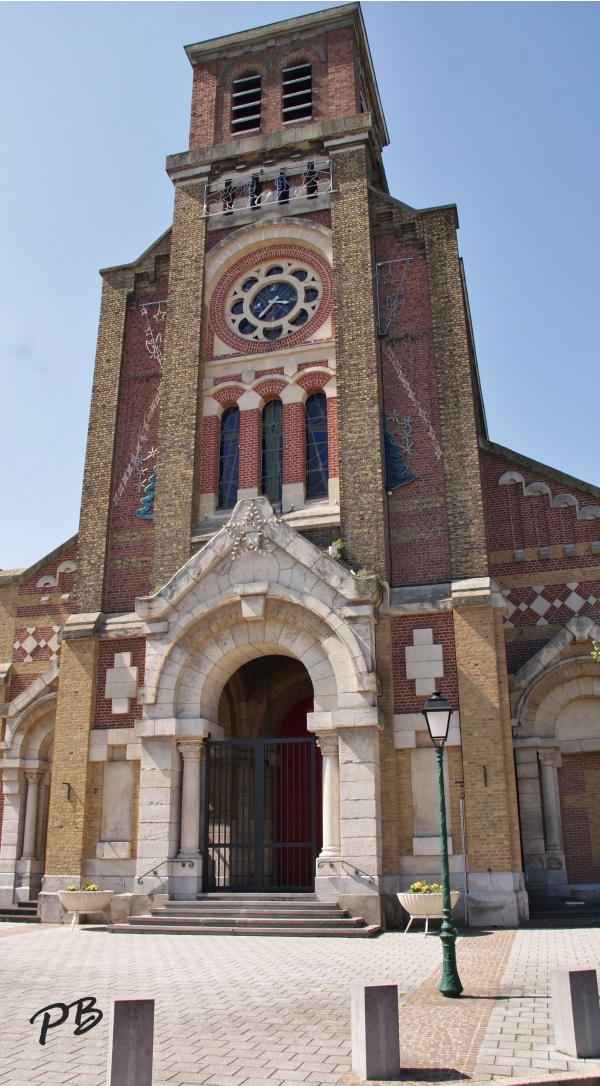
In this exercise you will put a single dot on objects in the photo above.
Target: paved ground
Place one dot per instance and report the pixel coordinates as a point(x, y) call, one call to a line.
point(233, 1011)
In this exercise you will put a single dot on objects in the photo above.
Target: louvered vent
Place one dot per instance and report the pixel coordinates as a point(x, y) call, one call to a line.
point(245, 104)
point(297, 93)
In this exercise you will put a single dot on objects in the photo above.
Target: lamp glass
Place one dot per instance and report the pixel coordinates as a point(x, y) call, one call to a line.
point(437, 713)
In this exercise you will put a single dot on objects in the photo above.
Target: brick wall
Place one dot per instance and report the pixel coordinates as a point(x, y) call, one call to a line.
point(178, 470)
point(488, 800)
point(363, 513)
point(579, 790)
point(335, 91)
point(74, 716)
point(418, 522)
point(136, 439)
point(543, 593)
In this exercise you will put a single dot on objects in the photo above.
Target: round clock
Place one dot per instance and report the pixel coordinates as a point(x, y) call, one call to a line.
point(273, 300)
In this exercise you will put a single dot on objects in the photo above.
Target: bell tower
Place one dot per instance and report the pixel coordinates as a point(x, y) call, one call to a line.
point(272, 277)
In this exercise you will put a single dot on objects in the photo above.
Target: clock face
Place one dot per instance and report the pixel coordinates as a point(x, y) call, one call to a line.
point(273, 300)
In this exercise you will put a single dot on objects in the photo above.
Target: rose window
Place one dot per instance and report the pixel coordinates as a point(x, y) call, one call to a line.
point(273, 300)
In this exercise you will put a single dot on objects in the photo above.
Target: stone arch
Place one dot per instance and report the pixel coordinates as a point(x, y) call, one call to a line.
point(32, 731)
point(213, 647)
point(569, 680)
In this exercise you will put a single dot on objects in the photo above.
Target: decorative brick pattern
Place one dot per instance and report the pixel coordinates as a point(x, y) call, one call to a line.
point(542, 605)
point(178, 474)
point(103, 714)
point(218, 325)
point(270, 390)
point(359, 424)
point(227, 397)
point(579, 790)
point(294, 443)
point(406, 699)
point(35, 644)
point(314, 382)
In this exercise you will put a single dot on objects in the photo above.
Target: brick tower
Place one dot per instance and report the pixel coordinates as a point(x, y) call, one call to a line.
point(294, 528)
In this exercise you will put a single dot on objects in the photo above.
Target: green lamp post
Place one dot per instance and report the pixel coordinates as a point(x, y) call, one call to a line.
point(437, 713)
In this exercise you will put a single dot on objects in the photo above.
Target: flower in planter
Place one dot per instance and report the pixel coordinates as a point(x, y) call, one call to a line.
point(90, 886)
point(427, 888)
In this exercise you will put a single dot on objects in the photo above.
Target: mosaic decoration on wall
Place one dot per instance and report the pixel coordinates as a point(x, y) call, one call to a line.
point(142, 462)
point(390, 290)
point(396, 471)
point(437, 448)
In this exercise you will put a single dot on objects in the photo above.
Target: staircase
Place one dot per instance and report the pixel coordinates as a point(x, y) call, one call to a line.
point(24, 912)
point(249, 914)
point(546, 911)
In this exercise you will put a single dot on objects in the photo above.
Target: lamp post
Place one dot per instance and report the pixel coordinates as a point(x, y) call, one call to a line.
point(437, 713)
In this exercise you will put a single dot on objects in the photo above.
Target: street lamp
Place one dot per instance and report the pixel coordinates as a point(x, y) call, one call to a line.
point(437, 713)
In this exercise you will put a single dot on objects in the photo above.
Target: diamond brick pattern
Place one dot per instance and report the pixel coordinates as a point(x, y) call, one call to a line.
point(33, 643)
point(539, 605)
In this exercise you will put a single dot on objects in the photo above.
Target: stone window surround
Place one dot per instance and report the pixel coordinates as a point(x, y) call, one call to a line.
point(293, 494)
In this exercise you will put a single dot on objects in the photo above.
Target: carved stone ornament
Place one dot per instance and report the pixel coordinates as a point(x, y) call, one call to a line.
point(247, 530)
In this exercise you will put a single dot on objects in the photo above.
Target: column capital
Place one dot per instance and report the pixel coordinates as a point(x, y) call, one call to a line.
point(190, 749)
point(328, 743)
point(551, 756)
point(33, 776)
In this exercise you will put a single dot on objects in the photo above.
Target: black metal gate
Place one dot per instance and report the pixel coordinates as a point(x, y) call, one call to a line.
point(260, 817)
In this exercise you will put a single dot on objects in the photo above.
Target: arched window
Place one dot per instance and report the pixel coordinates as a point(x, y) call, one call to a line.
point(317, 446)
point(296, 92)
point(246, 95)
point(229, 457)
point(272, 450)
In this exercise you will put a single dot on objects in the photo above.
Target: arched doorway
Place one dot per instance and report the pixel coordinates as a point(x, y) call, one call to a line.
point(262, 817)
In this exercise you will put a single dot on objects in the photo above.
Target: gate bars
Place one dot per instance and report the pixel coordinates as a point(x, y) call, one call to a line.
point(260, 818)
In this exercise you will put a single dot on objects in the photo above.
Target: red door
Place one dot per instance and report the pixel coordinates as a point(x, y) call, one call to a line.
point(296, 802)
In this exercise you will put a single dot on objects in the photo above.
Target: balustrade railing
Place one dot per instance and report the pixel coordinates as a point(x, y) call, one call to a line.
point(268, 187)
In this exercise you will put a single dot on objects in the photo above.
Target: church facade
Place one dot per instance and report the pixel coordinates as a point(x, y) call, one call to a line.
point(294, 528)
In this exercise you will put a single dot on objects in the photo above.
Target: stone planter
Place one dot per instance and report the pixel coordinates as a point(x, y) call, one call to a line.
point(425, 906)
point(84, 901)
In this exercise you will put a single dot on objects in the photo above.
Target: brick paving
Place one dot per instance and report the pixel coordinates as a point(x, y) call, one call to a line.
point(234, 1011)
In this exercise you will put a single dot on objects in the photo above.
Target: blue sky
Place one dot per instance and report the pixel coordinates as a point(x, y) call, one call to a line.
point(493, 106)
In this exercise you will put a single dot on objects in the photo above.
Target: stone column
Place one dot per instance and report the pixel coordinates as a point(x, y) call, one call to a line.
point(33, 777)
point(549, 761)
point(332, 837)
point(191, 753)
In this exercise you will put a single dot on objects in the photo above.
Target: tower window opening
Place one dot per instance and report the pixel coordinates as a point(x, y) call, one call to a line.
point(317, 446)
point(296, 93)
point(246, 99)
point(272, 450)
point(229, 458)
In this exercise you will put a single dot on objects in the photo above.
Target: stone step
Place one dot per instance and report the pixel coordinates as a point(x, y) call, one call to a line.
point(258, 914)
point(216, 920)
point(142, 928)
point(232, 896)
point(23, 913)
point(226, 909)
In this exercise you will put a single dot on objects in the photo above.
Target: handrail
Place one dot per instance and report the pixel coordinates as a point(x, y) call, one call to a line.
point(154, 870)
point(351, 867)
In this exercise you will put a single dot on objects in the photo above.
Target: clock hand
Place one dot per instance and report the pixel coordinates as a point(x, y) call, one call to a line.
point(266, 310)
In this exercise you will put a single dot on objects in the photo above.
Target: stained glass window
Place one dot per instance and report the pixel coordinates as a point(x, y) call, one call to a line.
point(229, 457)
point(317, 450)
point(272, 450)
